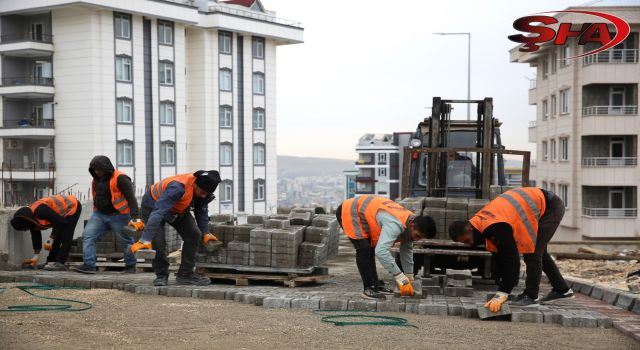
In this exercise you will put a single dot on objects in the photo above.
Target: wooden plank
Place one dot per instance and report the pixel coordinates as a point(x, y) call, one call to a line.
point(586, 256)
point(244, 279)
point(246, 268)
point(430, 251)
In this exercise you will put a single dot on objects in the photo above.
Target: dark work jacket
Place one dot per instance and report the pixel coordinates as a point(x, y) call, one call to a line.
point(102, 199)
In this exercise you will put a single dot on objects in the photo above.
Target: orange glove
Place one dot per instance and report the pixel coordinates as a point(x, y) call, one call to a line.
point(48, 246)
point(139, 245)
point(404, 284)
point(496, 302)
point(33, 261)
point(137, 224)
point(208, 237)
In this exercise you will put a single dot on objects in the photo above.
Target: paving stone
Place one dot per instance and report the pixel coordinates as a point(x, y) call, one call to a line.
point(454, 309)
point(276, 303)
point(148, 290)
point(334, 304)
point(597, 292)
point(604, 321)
point(304, 303)
point(586, 321)
point(179, 292)
point(610, 296)
point(417, 288)
point(230, 294)
point(240, 297)
point(255, 219)
point(527, 316)
point(458, 291)
point(77, 283)
point(469, 311)
point(433, 309)
point(275, 223)
point(208, 294)
point(483, 312)
point(50, 280)
point(430, 290)
point(412, 306)
point(256, 299)
point(7, 279)
point(162, 290)
point(23, 279)
point(391, 306)
point(625, 300)
point(362, 305)
point(552, 317)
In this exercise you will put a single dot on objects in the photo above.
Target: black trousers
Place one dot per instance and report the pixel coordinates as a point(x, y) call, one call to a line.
point(366, 262)
point(62, 238)
point(187, 228)
point(540, 260)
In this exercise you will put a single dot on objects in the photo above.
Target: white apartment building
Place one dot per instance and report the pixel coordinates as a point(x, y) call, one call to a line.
point(159, 86)
point(378, 166)
point(587, 127)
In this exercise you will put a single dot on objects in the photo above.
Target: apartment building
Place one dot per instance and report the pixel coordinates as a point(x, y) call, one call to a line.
point(161, 87)
point(586, 129)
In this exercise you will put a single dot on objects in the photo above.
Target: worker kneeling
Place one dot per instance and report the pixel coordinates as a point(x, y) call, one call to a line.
point(373, 224)
point(519, 221)
point(170, 201)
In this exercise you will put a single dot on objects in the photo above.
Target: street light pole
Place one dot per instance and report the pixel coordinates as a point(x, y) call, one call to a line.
point(468, 68)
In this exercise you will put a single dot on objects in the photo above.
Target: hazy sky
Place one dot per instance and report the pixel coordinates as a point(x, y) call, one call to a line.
point(374, 66)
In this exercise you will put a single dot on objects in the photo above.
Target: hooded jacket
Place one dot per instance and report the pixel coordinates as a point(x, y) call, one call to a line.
point(102, 199)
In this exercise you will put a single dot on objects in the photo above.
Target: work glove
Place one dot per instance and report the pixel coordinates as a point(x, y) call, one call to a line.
point(33, 261)
point(208, 237)
point(137, 224)
point(139, 245)
point(496, 302)
point(48, 245)
point(404, 284)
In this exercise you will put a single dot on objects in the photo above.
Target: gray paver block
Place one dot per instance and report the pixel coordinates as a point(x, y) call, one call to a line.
point(334, 304)
point(304, 303)
point(458, 291)
point(527, 316)
point(610, 296)
point(276, 303)
point(102, 284)
point(585, 321)
point(147, 290)
point(49, 280)
point(597, 292)
point(412, 306)
point(390, 306)
point(208, 294)
point(362, 305)
point(625, 300)
point(469, 311)
point(7, 279)
point(79, 283)
point(552, 317)
point(454, 309)
point(431, 290)
point(19, 279)
point(433, 309)
point(483, 312)
point(179, 292)
point(603, 321)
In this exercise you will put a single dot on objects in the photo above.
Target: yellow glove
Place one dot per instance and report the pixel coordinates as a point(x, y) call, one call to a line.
point(404, 284)
point(496, 302)
point(137, 224)
point(48, 246)
point(208, 237)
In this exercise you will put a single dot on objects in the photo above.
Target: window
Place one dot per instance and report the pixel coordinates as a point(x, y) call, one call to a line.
point(553, 106)
point(258, 119)
point(165, 33)
point(124, 153)
point(258, 83)
point(226, 117)
point(226, 154)
point(545, 110)
point(258, 154)
point(553, 149)
point(554, 62)
point(552, 187)
point(123, 68)
point(382, 158)
point(563, 193)
point(166, 113)
point(545, 186)
point(224, 42)
point(167, 153)
point(258, 190)
point(123, 110)
point(225, 79)
point(564, 101)
point(258, 48)
point(382, 187)
point(564, 148)
point(166, 73)
point(226, 192)
point(565, 51)
point(545, 69)
point(382, 171)
point(545, 151)
point(123, 26)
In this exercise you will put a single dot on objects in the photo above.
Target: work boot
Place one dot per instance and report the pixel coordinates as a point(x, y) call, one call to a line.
point(373, 293)
point(41, 266)
point(129, 269)
point(382, 288)
point(553, 295)
point(161, 281)
point(54, 266)
point(193, 279)
point(524, 300)
point(85, 269)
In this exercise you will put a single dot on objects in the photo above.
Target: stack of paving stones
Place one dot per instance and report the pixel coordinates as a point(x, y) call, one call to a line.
point(457, 283)
point(299, 239)
point(415, 204)
point(496, 190)
point(108, 242)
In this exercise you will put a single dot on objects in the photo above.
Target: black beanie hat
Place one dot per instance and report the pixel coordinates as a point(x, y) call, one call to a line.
point(207, 180)
point(22, 219)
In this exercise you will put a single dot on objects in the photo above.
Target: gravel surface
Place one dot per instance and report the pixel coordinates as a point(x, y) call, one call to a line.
point(123, 320)
point(611, 273)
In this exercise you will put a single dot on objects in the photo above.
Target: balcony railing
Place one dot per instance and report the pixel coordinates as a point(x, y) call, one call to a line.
point(532, 124)
point(610, 212)
point(612, 56)
point(254, 15)
point(609, 110)
point(363, 178)
point(28, 123)
point(19, 81)
point(28, 36)
point(532, 84)
point(365, 162)
point(609, 161)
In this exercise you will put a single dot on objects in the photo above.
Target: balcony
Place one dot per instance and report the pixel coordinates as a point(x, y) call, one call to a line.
point(532, 91)
point(27, 45)
point(604, 227)
point(532, 131)
point(588, 162)
point(366, 161)
point(610, 212)
point(28, 128)
point(612, 56)
point(609, 110)
point(35, 172)
point(27, 87)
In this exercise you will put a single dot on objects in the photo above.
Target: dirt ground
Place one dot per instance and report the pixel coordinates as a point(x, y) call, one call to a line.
point(123, 320)
point(610, 273)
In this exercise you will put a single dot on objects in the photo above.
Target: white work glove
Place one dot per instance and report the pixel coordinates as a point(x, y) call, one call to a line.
point(404, 284)
point(402, 279)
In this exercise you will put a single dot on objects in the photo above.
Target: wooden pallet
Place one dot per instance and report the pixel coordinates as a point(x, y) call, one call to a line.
point(290, 279)
point(112, 262)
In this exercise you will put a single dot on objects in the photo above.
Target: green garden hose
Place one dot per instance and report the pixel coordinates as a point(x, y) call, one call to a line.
point(367, 320)
point(45, 307)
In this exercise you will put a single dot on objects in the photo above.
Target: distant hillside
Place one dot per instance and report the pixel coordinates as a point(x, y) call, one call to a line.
point(289, 166)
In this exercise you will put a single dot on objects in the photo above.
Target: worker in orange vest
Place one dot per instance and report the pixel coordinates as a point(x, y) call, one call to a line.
point(374, 224)
point(169, 201)
point(60, 212)
point(519, 221)
point(114, 207)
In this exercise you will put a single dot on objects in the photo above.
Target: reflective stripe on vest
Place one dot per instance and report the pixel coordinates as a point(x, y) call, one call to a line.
point(117, 197)
point(523, 216)
point(354, 219)
point(529, 201)
point(62, 205)
point(187, 180)
point(359, 216)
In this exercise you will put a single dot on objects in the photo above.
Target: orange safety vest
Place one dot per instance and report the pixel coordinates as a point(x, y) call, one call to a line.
point(521, 208)
point(359, 216)
point(117, 198)
point(63, 205)
point(187, 180)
